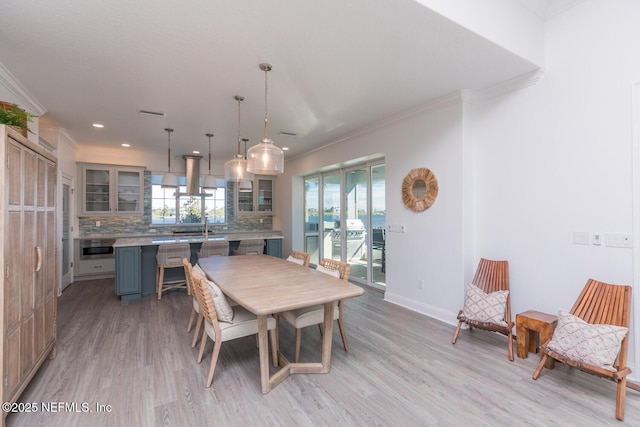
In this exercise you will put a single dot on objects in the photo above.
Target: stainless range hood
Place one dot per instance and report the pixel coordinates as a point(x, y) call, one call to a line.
point(193, 174)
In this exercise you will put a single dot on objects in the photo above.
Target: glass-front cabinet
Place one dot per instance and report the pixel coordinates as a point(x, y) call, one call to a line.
point(257, 198)
point(112, 190)
point(264, 196)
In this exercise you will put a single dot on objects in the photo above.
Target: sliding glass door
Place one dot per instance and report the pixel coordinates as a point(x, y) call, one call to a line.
point(345, 220)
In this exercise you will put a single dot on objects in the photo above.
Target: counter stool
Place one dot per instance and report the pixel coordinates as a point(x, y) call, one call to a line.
point(214, 248)
point(250, 247)
point(170, 256)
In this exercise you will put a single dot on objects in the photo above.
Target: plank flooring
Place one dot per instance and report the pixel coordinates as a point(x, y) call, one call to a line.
point(401, 369)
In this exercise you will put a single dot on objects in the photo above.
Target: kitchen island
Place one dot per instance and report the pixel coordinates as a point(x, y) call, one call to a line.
point(136, 258)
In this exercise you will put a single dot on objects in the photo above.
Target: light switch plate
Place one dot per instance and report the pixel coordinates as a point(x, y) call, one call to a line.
point(396, 228)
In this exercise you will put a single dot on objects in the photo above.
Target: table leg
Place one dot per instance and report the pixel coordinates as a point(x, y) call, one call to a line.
point(263, 345)
point(327, 337)
point(522, 339)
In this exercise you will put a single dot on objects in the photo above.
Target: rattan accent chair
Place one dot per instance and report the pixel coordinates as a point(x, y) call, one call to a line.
point(303, 256)
point(491, 276)
point(308, 316)
point(244, 324)
point(214, 248)
point(601, 303)
point(250, 247)
point(170, 256)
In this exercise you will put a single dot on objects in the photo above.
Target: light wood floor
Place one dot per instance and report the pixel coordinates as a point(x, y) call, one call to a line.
point(401, 370)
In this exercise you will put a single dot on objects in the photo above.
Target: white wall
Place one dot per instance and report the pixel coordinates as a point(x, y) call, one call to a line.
point(555, 158)
point(432, 247)
point(518, 174)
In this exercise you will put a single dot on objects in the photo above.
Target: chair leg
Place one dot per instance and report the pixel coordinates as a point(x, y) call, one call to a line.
point(196, 335)
point(160, 278)
point(214, 360)
point(191, 319)
point(543, 359)
point(296, 354)
point(343, 334)
point(620, 397)
point(510, 346)
point(455, 335)
point(203, 343)
point(274, 347)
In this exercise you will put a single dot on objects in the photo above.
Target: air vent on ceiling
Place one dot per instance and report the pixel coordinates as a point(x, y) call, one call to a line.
point(152, 113)
point(288, 133)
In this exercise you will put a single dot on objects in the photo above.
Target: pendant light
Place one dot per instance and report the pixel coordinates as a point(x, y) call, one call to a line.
point(265, 158)
point(245, 185)
point(169, 180)
point(209, 183)
point(236, 168)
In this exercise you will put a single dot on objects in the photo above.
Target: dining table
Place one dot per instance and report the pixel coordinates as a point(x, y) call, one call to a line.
point(266, 286)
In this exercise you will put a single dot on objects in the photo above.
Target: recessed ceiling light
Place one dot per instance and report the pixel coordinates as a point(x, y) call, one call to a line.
point(126, 145)
point(285, 148)
point(196, 152)
point(98, 125)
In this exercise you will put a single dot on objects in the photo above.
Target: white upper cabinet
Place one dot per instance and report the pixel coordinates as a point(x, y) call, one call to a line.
point(112, 190)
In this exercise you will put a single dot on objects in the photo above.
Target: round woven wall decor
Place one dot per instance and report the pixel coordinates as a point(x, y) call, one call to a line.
point(419, 189)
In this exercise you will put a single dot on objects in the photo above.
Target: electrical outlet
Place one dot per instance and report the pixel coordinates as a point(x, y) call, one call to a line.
point(596, 239)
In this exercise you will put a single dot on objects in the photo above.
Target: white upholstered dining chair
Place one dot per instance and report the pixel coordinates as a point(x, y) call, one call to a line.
point(244, 324)
point(314, 315)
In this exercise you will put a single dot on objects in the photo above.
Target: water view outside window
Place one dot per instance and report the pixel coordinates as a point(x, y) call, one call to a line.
point(351, 226)
point(170, 209)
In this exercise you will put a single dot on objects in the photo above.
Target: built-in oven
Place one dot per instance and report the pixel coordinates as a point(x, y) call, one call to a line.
point(96, 248)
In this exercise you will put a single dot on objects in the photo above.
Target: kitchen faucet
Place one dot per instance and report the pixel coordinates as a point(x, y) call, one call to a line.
point(206, 228)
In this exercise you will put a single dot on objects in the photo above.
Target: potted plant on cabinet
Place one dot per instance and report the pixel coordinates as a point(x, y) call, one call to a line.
point(14, 116)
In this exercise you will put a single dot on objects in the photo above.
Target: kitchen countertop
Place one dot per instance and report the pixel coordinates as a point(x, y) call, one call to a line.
point(159, 240)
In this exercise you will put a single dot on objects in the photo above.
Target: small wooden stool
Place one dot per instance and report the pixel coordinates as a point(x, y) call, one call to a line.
point(533, 328)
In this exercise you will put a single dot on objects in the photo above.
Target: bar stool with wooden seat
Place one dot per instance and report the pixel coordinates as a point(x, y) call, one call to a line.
point(170, 256)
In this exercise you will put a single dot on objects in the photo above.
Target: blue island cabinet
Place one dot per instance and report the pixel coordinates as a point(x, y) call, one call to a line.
point(128, 273)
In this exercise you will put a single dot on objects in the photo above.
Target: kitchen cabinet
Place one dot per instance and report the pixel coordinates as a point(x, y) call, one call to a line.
point(28, 252)
point(111, 190)
point(260, 200)
point(128, 272)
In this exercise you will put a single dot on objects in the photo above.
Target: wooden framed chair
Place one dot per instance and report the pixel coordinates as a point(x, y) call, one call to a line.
point(244, 324)
point(214, 248)
point(250, 247)
point(302, 256)
point(491, 276)
point(195, 307)
point(308, 316)
point(600, 304)
point(170, 256)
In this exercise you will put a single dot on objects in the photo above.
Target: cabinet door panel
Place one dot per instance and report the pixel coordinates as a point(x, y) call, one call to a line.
point(27, 349)
point(29, 179)
point(97, 187)
point(14, 171)
point(15, 272)
point(12, 365)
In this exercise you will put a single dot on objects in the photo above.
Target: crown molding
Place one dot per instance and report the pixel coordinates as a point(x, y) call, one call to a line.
point(20, 93)
point(502, 88)
point(436, 104)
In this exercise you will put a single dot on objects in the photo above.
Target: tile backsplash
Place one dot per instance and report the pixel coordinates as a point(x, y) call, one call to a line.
point(119, 225)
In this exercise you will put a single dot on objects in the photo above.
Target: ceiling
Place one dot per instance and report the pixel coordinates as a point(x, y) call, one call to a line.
point(338, 66)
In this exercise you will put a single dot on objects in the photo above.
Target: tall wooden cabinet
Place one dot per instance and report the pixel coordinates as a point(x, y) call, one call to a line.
point(28, 254)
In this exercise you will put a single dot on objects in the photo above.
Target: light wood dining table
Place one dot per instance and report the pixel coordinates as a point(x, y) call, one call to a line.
point(267, 285)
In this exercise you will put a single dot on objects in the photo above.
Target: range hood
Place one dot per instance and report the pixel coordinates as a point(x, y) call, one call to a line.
point(192, 168)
